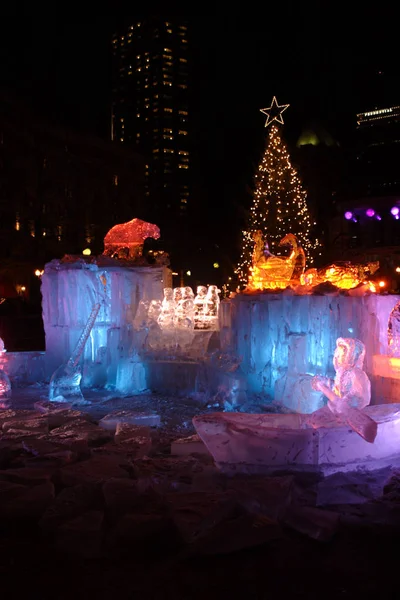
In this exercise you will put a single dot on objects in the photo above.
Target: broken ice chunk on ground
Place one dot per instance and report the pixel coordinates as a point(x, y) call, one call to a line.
point(131, 417)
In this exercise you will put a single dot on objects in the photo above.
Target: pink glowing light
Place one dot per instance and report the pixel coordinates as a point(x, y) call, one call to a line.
point(348, 215)
point(395, 210)
point(370, 212)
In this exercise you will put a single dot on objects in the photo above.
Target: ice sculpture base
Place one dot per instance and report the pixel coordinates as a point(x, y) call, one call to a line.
point(264, 443)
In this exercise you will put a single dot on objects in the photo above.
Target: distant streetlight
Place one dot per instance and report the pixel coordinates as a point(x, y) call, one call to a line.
point(87, 252)
point(188, 273)
point(216, 265)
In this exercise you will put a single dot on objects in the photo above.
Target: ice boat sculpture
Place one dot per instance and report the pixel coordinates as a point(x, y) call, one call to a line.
point(264, 443)
point(125, 241)
point(276, 440)
point(269, 272)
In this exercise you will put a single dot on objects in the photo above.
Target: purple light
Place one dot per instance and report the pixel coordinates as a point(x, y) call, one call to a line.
point(378, 217)
point(370, 212)
point(348, 215)
point(395, 210)
point(354, 219)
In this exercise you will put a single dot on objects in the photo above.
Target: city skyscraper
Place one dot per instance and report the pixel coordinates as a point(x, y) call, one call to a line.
point(150, 109)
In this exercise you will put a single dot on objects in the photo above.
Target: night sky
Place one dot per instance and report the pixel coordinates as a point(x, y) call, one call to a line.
point(320, 57)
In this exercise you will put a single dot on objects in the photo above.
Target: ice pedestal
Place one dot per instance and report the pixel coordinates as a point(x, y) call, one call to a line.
point(70, 289)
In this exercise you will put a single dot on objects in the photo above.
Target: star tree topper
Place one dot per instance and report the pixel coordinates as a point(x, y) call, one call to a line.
point(274, 112)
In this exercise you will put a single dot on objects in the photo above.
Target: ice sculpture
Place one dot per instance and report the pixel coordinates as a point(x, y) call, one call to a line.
point(167, 314)
point(394, 332)
point(125, 241)
point(274, 272)
point(154, 310)
point(349, 393)
point(343, 275)
point(184, 312)
point(5, 384)
point(199, 307)
point(212, 307)
point(65, 381)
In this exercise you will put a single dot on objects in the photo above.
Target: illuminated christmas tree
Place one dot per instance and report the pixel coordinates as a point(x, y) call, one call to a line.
point(279, 203)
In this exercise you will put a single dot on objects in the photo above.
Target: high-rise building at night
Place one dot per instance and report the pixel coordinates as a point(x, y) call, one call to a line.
point(378, 137)
point(150, 109)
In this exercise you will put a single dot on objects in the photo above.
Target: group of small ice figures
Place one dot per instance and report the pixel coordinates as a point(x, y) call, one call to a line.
point(181, 309)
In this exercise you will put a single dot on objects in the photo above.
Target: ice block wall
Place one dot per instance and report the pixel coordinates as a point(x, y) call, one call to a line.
point(261, 326)
point(69, 291)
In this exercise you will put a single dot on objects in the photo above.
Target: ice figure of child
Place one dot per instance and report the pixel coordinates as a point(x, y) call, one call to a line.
point(167, 314)
point(348, 394)
point(199, 307)
point(185, 310)
point(212, 305)
point(154, 310)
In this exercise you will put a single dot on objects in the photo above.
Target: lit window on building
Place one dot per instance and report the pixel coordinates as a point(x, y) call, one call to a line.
point(121, 139)
point(168, 110)
point(183, 152)
point(168, 137)
point(167, 130)
point(183, 27)
point(168, 151)
point(137, 115)
point(115, 180)
point(182, 86)
point(183, 60)
point(169, 30)
point(155, 150)
point(167, 50)
point(183, 166)
point(183, 41)
point(17, 222)
point(182, 132)
point(183, 112)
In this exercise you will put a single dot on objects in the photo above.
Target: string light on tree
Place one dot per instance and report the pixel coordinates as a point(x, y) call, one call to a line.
point(279, 201)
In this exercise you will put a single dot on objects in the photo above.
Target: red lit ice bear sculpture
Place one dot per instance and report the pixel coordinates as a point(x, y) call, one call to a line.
point(125, 241)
